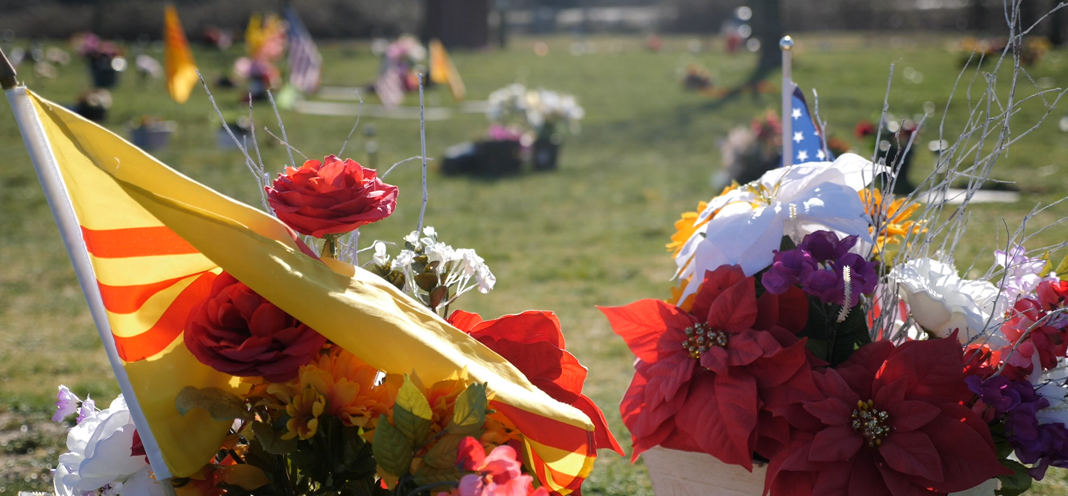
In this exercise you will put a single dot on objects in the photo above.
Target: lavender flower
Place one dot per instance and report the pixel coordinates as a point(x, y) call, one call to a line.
point(88, 409)
point(66, 404)
point(1021, 272)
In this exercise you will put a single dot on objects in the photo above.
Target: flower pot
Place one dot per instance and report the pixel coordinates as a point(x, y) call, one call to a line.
point(497, 158)
point(152, 136)
point(103, 73)
point(682, 473)
point(545, 153)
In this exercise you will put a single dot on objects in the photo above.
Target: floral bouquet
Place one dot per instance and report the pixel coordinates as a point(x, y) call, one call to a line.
point(539, 117)
point(403, 56)
point(309, 415)
point(104, 58)
point(792, 339)
point(750, 151)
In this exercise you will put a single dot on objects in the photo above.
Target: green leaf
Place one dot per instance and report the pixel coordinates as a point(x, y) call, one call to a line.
point(849, 335)
point(412, 414)
point(271, 440)
point(442, 454)
point(391, 448)
point(1015, 483)
point(1048, 267)
point(470, 412)
point(1062, 269)
point(223, 406)
point(426, 476)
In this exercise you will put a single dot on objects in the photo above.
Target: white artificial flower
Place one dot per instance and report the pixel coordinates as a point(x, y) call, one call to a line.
point(429, 231)
point(485, 279)
point(380, 258)
point(403, 262)
point(792, 201)
point(100, 459)
point(413, 239)
point(439, 252)
point(941, 302)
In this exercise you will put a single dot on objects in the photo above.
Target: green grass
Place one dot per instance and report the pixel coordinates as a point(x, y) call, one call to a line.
point(591, 233)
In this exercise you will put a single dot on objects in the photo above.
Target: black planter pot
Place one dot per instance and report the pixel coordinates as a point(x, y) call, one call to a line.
point(104, 75)
point(498, 158)
point(544, 154)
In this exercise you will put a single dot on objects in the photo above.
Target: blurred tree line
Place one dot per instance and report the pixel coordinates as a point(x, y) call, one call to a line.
point(132, 19)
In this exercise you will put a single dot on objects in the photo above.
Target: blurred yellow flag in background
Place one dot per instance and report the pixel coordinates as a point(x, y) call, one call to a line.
point(178, 61)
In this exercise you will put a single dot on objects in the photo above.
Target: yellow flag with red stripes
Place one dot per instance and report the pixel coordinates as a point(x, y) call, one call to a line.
point(155, 239)
point(178, 62)
point(442, 70)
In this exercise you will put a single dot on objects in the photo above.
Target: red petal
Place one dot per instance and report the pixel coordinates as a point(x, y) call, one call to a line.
point(470, 453)
point(835, 443)
point(735, 308)
point(966, 449)
point(865, 478)
point(602, 437)
point(908, 416)
point(716, 281)
point(643, 323)
point(721, 415)
point(831, 411)
point(788, 310)
point(933, 369)
point(860, 369)
point(912, 453)
point(746, 347)
point(527, 327)
point(464, 321)
point(772, 370)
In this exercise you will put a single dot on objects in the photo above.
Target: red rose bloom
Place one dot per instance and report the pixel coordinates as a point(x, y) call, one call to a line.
point(891, 423)
point(701, 381)
point(236, 331)
point(338, 197)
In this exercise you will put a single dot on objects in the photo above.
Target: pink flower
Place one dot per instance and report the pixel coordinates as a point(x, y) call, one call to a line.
point(66, 404)
point(498, 474)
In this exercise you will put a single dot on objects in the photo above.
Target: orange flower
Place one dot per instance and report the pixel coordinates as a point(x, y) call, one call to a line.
point(891, 219)
point(349, 387)
point(684, 229)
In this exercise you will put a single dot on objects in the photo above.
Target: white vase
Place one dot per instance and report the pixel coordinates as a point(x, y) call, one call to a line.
point(682, 473)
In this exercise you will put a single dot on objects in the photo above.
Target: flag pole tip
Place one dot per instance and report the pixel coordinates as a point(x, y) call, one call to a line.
point(786, 43)
point(7, 73)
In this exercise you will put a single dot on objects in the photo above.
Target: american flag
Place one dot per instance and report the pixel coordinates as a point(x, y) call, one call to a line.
point(305, 63)
point(808, 145)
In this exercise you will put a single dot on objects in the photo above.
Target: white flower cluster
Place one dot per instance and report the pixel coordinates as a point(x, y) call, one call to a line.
point(537, 107)
point(99, 461)
point(463, 269)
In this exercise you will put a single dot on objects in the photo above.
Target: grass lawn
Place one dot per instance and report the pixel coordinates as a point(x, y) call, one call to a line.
point(591, 233)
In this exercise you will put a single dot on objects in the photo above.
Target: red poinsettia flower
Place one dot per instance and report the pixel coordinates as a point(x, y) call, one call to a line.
point(701, 379)
point(534, 343)
point(890, 423)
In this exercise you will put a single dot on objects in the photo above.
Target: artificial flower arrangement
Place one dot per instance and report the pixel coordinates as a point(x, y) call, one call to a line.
point(404, 56)
point(796, 338)
point(750, 151)
point(696, 78)
point(540, 118)
point(971, 49)
point(312, 417)
point(104, 58)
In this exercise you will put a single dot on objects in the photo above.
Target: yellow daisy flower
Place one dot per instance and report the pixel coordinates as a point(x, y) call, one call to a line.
point(893, 218)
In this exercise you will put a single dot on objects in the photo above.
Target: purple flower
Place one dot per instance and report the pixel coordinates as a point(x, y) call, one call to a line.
point(998, 392)
point(88, 409)
point(66, 404)
point(819, 265)
point(787, 270)
point(825, 245)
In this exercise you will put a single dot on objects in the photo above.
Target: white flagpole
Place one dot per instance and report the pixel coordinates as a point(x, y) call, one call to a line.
point(44, 163)
point(787, 45)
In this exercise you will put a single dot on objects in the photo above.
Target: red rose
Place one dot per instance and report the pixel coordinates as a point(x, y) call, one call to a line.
point(236, 331)
point(338, 197)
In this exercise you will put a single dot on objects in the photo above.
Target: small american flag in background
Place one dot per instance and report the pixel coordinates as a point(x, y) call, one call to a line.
point(808, 145)
point(305, 63)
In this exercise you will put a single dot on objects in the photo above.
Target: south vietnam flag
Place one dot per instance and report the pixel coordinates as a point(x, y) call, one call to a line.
point(178, 60)
point(147, 241)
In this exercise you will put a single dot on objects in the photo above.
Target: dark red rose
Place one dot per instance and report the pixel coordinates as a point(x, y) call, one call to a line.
point(864, 129)
point(236, 331)
point(338, 197)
